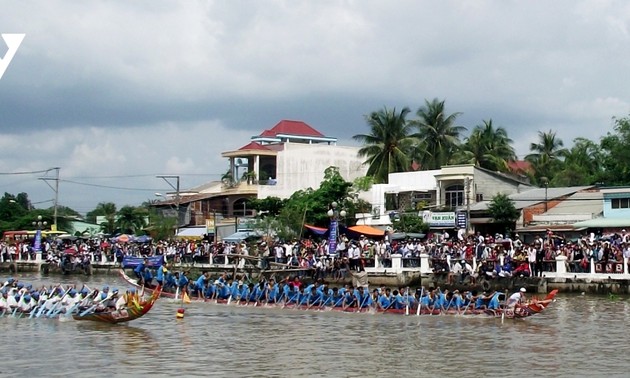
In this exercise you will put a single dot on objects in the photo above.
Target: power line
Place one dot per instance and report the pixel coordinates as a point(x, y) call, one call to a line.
point(111, 187)
point(25, 172)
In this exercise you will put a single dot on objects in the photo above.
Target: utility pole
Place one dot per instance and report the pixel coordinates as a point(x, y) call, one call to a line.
point(467, 184)
point(55, 188)
point(177, 198)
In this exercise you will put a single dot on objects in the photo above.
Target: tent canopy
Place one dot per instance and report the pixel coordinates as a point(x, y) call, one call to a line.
point(367, 231)
point(241, 235)
point(192, 232)
point(316, 230)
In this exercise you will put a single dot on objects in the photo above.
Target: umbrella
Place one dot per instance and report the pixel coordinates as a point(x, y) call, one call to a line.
point(123, 238)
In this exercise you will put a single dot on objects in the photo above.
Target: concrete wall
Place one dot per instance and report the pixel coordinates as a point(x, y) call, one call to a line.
point(301, 166)
point(490, 185)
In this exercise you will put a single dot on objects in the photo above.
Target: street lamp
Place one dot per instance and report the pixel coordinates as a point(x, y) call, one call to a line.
point(39, 223)
point(334, 215)
point(37, 246)
point(545, 182)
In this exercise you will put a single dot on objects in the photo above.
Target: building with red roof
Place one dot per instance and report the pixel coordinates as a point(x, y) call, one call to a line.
point(288, 157)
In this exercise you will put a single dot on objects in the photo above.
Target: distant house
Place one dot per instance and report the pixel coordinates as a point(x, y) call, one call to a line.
point(442, 194)
point(288, 157)
point(616, 212)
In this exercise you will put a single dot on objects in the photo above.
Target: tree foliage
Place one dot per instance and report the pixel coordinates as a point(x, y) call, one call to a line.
point(488, 148)
point(310, 206)
point(502, 210)
point(409, 222)
point(388, 144)
point(438, 135)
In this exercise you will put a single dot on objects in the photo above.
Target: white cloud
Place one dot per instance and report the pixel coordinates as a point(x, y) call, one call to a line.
point(145, 87)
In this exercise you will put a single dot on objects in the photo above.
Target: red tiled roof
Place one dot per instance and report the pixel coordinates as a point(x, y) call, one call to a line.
point(520, 166)
point(291, 128)
point(253, 146)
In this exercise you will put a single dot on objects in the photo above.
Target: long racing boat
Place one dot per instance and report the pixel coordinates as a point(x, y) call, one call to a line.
point(123, 315)
point(518, 312)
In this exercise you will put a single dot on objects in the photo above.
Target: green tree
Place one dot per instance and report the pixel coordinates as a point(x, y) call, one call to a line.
point(546, 156)
point(439, 137)
point(388, 144)
point(615, 150)
point(131, 220)
point(503, 211)
point(269, 206)
point(311, 206)
point(411, 222)
point(488, 148)
point(106, 209)
point(582, 164)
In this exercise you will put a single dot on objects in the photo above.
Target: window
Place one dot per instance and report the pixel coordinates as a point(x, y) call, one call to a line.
point(454, 196)
point(620, 203)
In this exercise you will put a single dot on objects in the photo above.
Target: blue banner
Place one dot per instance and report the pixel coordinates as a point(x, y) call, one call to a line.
point(332, 237)
point(37, 245)
point(132, 261)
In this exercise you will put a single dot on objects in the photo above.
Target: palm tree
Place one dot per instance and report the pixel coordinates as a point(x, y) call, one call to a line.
point(388, 144)
point(546, 155)
point(437, 133)
point(107, 209)
point(582, 164)
point(488, 147)
point(131, 219)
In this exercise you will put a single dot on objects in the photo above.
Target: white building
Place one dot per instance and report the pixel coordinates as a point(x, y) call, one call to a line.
point(442, 193)
point(289, 157)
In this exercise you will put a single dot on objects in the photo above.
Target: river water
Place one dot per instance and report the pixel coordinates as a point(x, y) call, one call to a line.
point(576, 336)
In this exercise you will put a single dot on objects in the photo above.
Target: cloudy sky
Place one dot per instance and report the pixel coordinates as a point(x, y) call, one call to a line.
point(116, 92)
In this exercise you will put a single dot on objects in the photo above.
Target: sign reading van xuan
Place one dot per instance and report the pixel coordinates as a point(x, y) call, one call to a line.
point(444, 219)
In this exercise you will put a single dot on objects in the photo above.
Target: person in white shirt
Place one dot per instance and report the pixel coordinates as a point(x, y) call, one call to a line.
point(531, 258)
point(456, 270)
point(516, 298)
point(461, 234)
point(354, 253)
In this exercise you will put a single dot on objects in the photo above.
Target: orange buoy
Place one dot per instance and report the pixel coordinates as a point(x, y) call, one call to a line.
point(180, 313)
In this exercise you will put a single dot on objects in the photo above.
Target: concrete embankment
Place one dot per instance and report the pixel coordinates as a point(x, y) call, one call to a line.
point(590, 283)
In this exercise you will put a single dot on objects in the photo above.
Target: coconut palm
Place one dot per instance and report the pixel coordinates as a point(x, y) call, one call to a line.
point(546, 156)
point(388, 144)
point(439, 137)
point(131, 219)
point(582, 164)
point(488, 148)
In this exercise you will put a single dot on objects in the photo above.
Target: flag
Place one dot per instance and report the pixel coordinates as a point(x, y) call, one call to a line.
point(185, 298)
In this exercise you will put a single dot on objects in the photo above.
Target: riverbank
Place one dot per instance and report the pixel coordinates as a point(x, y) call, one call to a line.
point(395, 272)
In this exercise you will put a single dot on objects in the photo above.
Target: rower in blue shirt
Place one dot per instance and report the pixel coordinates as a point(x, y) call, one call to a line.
point(335, 299)
point(160, 274)
point(349, 298)
point(147, 277)
point(245, 292)
point(480, 301)
point(170, 281)
point(494, 303)
point(139, 270)
point(399, 301)
point(302, 297)
point(234, 290)
point(384, 300)
point(314, 297)
point(425, 301)
point(201, 285)
point(273, 293)
point(210, 291)
point(223, 289)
